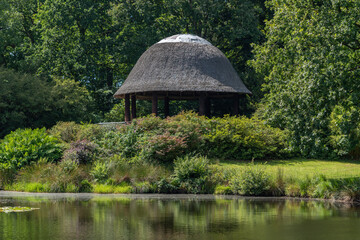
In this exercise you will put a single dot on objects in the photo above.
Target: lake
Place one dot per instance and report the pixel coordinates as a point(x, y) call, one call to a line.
point(198, 217)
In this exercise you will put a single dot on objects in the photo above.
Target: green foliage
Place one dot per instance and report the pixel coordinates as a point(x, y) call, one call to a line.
point(144, 187)
point(70, 131)
point(81, 152)
point(68, 165)
point(23, 146)
point(165, 186)
point(223, 190)
point(244, 138)
point(29, 101)
point(85, 186)
point(310, 62)
point(252, 181)
point(124, 141)
point(163, 148)
point(24, 101)
point(97, 42)
point(345, 130)
point(51, 177)
point(30, 187)
point(100, 171)
point(103, 188)
point(116, 114)
point(153, 139)
point(191, 174)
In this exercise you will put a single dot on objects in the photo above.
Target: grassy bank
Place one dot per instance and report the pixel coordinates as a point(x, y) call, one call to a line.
point(299, 168)
point(180, 154)
point(313, 178)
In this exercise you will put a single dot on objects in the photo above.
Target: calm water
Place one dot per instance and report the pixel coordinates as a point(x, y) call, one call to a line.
point(86, 216)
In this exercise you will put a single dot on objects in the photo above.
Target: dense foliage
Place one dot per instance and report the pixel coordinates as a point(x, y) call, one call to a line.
point(29, 101)
point(310, 62)
point(153, 139)
point(23, 146)
point(96, 43)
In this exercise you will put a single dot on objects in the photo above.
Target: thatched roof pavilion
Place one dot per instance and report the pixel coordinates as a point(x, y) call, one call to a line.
point(181, 67)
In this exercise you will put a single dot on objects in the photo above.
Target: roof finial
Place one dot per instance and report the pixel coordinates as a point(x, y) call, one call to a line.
point(186, 38)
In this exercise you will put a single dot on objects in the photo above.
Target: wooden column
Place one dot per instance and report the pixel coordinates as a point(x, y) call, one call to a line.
point(155, 104)
point(203, 106)
point(127, 108)
point(236, 105)
point(133, 107)
point(208, 107)
point(166, 107)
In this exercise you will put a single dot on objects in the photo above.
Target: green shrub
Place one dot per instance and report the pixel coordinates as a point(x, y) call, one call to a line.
point(69, 132)
point(244, 138)
point(66, 131)
point(323, 188)
point(223, 190)
point(100, 171)
point(121, 142)
point(68, 165)
point(253, 181)
point(164, 186)
point(191, 174)
point(152, 138)
point(85, 186)
point(135, 170)
point(7, 174)
point(349, 189)
point(292, 190)
point(345, 131)
point(23, 146)
point(53, 176)
point(162, 148)
point(144, 187)
point(81, 152)
point(71, 188)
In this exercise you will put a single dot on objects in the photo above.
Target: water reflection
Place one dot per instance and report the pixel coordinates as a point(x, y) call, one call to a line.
point(175, 217)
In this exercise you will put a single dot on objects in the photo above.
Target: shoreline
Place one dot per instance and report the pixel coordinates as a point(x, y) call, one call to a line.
point(162, 196)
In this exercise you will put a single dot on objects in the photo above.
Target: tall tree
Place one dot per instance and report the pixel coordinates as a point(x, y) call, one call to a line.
point(77, 42)
point(311, 63)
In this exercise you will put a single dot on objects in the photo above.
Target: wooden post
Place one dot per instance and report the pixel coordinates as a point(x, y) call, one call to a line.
point(133, 107)
point(155, 104)
point(208, 107)
point(166, 107)
point(203, 107)
point(127, 108)
point(236, 105)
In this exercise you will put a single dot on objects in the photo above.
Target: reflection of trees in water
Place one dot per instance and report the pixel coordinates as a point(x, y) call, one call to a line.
point(160, 219)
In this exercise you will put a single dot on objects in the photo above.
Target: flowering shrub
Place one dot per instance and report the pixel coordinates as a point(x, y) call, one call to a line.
point(163, 140)
point(164, 147)
point(81, 152)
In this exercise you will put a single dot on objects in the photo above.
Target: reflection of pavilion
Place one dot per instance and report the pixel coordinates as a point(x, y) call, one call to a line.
point(181, 67)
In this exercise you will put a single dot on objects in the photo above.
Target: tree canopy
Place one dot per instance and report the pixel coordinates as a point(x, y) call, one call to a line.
point(311, 64)
point(97, 43)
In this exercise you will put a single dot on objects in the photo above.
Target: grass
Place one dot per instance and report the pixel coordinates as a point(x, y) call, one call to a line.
point(102, 188)
point(302, 168)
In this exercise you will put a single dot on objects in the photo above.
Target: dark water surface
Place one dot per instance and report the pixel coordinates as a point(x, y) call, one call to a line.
point(91, 216)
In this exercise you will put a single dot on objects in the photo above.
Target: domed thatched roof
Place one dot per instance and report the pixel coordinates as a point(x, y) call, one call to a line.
point(182, 65)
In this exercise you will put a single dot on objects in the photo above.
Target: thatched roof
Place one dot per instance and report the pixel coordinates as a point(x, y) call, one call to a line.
point(183, 65)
